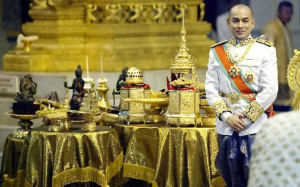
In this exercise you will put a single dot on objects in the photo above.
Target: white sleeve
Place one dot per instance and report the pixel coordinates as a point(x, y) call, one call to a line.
point(268, 79)
point(212, 87)
point(212, 83)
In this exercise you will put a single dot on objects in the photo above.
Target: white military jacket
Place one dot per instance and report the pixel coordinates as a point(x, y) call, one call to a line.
point(258, 60)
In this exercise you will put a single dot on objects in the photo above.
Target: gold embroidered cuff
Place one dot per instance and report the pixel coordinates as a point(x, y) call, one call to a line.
point(219, 107)
point(253, 111)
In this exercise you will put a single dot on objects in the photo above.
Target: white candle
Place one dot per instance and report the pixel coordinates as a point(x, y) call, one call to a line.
point(87, 67)
point(183, 16)
point(101, 69)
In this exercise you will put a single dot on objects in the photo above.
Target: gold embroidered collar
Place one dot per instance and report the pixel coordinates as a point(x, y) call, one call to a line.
point(243, 42)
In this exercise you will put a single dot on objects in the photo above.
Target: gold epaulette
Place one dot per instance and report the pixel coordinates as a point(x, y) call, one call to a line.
point(265, 42)
point(219, 43)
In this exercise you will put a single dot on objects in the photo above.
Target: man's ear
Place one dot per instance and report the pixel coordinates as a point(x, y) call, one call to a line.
point(253, 21)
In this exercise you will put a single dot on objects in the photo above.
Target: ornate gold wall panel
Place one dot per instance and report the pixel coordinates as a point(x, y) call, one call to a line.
point(124, 33)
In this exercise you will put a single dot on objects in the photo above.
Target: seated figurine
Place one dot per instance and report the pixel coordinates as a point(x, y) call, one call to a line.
point(78, 94)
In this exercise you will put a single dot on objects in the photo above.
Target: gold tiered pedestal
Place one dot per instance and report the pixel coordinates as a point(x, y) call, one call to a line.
point(132, 33)
point(24, 123)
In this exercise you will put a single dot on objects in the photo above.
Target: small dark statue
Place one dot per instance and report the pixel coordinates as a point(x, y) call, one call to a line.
point(121, 82)
point(24, 98)
point(78, 91)
point(27, 90)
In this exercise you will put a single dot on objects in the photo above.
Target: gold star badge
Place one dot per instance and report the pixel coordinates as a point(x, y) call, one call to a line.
point(234, 71)
point(250, 77)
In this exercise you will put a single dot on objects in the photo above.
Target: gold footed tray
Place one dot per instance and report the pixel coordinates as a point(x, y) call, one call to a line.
point(24, 123)
point(86, 119)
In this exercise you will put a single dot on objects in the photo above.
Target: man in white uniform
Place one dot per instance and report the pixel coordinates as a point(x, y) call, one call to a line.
point(241, 85)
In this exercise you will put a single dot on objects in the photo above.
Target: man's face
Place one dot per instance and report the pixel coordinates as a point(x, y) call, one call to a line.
point(240, 22)
point(285, 14)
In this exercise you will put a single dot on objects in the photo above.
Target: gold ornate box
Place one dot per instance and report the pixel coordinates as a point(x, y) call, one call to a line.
point(133, 112)
point(183, 108)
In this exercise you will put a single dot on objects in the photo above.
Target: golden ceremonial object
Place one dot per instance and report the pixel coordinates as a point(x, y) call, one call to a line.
point(158, 106)
point(293, 76)
point(133, 112)
point(185, 92)
point(24, 123)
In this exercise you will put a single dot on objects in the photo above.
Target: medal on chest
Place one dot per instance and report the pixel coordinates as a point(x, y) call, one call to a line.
point(234, 71)
point(250, 77)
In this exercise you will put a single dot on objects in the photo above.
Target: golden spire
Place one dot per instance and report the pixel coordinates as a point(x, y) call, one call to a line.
point(183, 61)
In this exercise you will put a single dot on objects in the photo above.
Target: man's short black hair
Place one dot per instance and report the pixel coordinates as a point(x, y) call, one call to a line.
point(286, 4)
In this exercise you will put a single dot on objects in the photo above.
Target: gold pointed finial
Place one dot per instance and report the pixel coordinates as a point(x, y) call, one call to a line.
point(183, 61)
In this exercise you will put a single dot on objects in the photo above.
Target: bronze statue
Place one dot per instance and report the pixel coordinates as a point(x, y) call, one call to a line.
point(78, 91)
point(27, 90)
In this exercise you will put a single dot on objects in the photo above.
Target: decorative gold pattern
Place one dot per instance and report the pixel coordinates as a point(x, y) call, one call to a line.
point(135, 107)
point(174, 102)
point(219, 107)
point(293, 77)
point(250, 42)
point(250, 77)
point(187, 102)
point(182, 81)
point(234, 71)
point(183, 106)
point(234, 97)
point(253, 111)
point(266, 42)
point(124, 93)
point(243, 42)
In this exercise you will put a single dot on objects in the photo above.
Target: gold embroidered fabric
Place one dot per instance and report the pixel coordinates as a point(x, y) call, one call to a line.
point(253, 111)
point(168, 156)
point(12, 151)
point(243, 42)
point(219, 107)
point(61, 158)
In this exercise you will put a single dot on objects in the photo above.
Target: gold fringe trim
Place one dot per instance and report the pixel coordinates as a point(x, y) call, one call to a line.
point(86, 174)
point(138, 172)
point(114, 167)
point(218, 182)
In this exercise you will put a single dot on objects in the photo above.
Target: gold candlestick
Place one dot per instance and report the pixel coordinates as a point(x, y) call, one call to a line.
point(102, 94)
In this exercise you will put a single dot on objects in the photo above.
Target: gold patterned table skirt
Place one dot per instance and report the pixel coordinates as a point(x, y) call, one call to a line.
point(60, 158)
point(168, 156)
